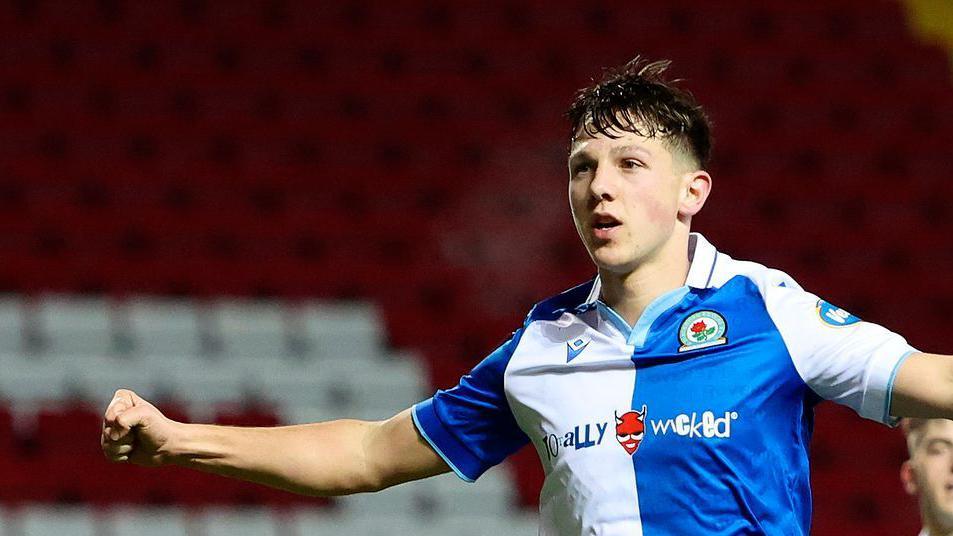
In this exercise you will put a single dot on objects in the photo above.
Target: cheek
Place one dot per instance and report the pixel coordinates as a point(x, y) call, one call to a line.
point(658, 211)
point(932, 474)
point(577, 203)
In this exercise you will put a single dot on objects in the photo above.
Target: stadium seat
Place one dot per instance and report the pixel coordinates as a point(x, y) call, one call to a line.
point(12, 319)
point(310, 523)
point(167, 328)
point(245, 522)
point(141, 521)
point(50, 521)
point(328, 331)
point(478, 525)
point(33, 380)
point(249, 329)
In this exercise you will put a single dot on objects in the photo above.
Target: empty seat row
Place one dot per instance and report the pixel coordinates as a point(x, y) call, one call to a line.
point(80, 521)
point(144, 326)
point(362, 390)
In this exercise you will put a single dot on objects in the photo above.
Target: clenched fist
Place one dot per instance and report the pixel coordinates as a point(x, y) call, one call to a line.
point(135, 431)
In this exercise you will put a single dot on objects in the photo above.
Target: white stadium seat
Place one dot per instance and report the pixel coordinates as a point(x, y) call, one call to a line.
point(7, 522)
point(148, 522)
point(77, 326)
point(37, 520)
point(339, 331)
point(98, 378)
point(238, 522)
point(252, 329)
point(414, 499)
point(33, 379)
point(311, 523)
point(488, 525)
point(166, 327)
point(492, 493)
point(13, 323)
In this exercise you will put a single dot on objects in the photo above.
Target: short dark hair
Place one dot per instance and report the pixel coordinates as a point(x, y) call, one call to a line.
point(637, 98)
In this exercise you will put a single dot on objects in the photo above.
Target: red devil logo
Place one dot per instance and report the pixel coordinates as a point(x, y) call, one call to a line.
point(630, 429)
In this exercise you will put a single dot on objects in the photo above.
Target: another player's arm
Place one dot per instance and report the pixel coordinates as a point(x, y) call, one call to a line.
point(331, 458)
point(924, 387)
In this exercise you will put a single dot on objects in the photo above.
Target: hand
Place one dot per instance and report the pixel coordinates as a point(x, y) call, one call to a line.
point(135, 431)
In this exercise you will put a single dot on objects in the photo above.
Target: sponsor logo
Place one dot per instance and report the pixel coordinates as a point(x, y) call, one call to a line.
point(693, 424)
point(703, 329)
point(582, 436)
point(632, 427)
point(833, 315)
point(574, 348)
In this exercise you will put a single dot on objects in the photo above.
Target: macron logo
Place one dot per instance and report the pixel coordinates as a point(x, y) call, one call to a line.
point(574, 348)
point(695, 425)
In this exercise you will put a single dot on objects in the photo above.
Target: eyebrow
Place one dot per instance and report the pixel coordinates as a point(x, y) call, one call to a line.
point(929, 441)
point(614, 151)
point(626, 148)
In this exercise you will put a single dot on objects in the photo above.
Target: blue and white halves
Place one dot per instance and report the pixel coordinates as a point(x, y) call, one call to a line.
point(694, 421)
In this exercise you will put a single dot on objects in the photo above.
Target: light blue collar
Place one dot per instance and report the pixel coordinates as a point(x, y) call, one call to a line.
point(635, 336)
point(704, 258)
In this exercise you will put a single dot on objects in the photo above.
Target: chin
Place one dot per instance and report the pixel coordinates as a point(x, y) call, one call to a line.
point(613, 264)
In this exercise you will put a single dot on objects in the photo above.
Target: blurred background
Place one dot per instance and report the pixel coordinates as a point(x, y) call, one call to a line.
point(264, 212)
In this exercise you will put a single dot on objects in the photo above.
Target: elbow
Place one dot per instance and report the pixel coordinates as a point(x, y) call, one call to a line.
point(373, 472)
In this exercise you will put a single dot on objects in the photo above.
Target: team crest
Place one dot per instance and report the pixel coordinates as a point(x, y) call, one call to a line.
point(703, 329)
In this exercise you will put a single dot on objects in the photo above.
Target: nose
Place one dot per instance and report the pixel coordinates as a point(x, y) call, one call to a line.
point(603, 185)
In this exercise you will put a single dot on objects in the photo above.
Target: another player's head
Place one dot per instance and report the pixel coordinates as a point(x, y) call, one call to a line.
point(928, 474)
point(638, 151)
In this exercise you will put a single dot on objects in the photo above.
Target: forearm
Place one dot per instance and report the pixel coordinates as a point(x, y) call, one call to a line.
point(924, 387)
point(315, 459)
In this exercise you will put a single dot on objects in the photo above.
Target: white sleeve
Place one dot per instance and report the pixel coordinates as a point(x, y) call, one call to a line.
point(840, 357)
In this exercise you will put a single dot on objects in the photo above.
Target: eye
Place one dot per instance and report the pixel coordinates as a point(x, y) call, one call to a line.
point(936, 448)
point(584, 167)
point(631, 163)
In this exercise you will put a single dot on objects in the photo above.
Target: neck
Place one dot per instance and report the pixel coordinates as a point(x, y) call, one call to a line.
point(630, 293)
point(935, 523)
point(936, 529)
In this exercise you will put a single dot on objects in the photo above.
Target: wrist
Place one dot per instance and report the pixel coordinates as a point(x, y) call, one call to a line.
point(175, 449)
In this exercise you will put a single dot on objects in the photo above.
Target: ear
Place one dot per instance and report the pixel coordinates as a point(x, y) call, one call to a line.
point(696, 186)
point(909, 478)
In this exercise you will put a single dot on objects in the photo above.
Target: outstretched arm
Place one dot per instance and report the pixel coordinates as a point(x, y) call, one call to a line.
point(924, 387)
point(331, 458)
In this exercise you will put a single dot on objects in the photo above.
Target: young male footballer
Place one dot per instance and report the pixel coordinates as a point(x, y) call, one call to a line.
point(672, 394)
point(928, 474)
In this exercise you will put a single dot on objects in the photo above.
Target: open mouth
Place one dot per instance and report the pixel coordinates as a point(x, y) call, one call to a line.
point(603, 223)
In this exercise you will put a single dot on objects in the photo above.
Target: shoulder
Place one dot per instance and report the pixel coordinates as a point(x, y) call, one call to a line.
point(569, 300)
point(764, 278)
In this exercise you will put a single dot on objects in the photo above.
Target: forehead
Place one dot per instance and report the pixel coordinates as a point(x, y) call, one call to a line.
point(938, 429)
point(585, 143)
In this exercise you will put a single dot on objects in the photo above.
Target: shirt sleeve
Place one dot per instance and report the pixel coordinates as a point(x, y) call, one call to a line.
point(839, 356)
point(471, 426)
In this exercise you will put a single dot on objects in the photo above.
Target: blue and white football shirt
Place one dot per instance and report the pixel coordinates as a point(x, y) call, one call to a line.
point(694, 421)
